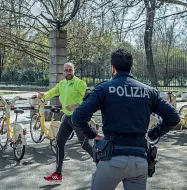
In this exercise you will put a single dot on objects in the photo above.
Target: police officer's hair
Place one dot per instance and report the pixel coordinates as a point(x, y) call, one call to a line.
point(121, 60)
point(70, 64)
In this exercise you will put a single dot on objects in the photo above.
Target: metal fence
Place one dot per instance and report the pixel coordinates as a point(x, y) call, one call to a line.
point(171, 73)
point(93, 74)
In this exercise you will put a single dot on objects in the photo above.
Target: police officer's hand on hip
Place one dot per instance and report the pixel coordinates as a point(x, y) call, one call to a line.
point(126, 105)
point(99, 137)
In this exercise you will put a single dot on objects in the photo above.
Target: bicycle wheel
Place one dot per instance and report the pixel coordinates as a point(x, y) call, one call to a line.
point(71, 136)
point(183, 116)
point(19, 151)
point(53, 145)
point(3, 141)
point(183, 110)
point(36, 131)
point(3, 135)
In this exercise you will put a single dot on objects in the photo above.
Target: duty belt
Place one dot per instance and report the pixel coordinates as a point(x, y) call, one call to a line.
point(131, 134)
point(130, 152)
point(137, 139)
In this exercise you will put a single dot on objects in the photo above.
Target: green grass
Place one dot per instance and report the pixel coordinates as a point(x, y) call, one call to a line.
point(4, 93)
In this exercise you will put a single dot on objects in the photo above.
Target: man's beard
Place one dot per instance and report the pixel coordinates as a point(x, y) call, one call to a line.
point(69, 77)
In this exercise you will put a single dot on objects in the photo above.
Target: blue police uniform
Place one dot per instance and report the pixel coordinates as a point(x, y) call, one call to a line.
point(126, 105)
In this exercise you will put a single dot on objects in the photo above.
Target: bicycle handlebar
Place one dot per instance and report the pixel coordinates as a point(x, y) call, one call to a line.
point(8, 102)
point(22, 98)
point(39, 100)
point(33, 97)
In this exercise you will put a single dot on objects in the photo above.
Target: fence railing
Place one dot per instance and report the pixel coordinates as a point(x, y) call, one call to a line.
point(171, 72)
point(18, 83)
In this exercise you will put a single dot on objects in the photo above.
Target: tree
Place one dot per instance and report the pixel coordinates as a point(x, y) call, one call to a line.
point(175, 2)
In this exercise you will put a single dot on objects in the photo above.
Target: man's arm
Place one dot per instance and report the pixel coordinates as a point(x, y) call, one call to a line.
point(84, 112)
point(169, 115)
point(52, 93)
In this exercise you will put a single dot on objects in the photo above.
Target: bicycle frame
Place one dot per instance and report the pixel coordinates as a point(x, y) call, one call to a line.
point(6, 116)
point(13, 134)
point(48, 132)
point(153, 121)
point(54, 126)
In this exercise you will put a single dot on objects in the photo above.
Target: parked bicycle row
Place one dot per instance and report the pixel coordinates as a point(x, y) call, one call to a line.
point(14, 134)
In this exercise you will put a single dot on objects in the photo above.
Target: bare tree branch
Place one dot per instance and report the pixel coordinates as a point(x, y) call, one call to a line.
point(175, 2)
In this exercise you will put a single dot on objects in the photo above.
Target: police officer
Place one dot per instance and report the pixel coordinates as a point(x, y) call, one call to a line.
point(126, 105)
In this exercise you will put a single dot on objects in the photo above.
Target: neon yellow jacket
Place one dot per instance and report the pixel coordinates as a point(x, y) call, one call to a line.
point(70, 92)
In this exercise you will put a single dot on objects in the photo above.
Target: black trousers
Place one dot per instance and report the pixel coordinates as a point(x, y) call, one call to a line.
point(65, 131)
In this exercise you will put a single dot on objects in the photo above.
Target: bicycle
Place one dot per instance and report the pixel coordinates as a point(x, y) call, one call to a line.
point(154, 119)
point(38, 129)
point(183, 117)
point(169, 97)
point(16, 134)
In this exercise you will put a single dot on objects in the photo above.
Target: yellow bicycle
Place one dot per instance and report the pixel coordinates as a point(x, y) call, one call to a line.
point(154, 119)
point(14, 134)
point(39, 130)
point(183, 117)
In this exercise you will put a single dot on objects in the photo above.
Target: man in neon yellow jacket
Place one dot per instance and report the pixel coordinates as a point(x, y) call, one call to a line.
point(71, 91)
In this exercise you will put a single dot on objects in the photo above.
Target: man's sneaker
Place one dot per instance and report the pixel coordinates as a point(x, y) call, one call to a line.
point(53, 177)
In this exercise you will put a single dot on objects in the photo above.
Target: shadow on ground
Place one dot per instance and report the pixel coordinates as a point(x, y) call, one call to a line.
point(41, 154)
point(49, 187)
point(175, 138)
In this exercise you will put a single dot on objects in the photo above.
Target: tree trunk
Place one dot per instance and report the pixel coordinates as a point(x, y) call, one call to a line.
point(94, 76)
point(166, 77)
point(81, 69)
point(1, 65)
point(150, 15)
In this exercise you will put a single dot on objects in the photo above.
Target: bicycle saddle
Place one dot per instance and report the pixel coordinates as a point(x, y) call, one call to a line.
point(17, 110)
point(8, 101)
point(55, 110)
